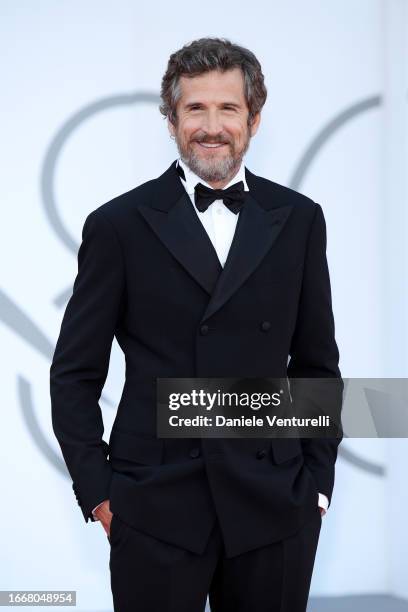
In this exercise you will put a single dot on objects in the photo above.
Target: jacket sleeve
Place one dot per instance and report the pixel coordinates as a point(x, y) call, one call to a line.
point(314, 352)
point(81, 360)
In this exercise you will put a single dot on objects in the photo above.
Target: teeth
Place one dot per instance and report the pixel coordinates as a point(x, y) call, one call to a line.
point(210, 145)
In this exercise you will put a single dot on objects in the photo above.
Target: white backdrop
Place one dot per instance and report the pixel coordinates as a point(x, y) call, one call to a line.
point(80, 124)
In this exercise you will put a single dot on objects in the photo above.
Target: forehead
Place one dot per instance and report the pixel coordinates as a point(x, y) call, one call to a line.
point(213, 85)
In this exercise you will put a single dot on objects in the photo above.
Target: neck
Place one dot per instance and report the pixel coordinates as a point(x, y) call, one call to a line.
point(220, 184)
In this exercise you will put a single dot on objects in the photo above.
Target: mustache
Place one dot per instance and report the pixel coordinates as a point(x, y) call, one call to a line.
point(212, 141)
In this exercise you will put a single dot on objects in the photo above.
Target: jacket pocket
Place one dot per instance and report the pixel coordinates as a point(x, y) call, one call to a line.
point(284, 449)
point(147, 451)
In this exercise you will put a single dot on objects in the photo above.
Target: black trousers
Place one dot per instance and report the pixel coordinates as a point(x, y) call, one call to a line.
point(148, 575)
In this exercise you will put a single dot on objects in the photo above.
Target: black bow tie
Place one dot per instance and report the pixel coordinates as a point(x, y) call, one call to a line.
point(233, 197)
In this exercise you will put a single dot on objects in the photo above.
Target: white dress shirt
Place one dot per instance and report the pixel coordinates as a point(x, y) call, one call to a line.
point(219, 222)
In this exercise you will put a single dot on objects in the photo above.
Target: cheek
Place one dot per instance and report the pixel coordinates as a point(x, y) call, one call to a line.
point(238, 131)
point(189, 128)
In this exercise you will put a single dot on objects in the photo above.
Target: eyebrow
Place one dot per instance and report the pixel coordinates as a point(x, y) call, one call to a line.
point(236, 105)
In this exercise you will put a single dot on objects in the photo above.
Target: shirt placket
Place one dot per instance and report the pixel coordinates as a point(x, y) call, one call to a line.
point(219, 234)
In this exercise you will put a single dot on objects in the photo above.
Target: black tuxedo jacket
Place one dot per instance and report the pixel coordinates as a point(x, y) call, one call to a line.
point(148, 275)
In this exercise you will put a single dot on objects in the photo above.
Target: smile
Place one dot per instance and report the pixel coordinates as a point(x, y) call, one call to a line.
point(211, 145)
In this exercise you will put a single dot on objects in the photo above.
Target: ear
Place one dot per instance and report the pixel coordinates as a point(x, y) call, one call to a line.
point(255, 123)
point(171, 127)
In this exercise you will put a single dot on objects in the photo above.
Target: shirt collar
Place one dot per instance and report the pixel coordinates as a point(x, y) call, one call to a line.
point(192, 179)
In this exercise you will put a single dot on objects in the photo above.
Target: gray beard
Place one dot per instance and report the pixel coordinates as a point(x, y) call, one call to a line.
point(212, 171)
point(209, 171)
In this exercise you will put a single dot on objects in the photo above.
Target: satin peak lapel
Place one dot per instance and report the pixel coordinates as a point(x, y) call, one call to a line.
point(171, 216)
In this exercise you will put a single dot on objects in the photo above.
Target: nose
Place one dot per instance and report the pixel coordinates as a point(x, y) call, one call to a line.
point(212, 124)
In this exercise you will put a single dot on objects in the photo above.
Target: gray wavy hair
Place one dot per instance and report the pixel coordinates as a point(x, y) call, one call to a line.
point(207, 54)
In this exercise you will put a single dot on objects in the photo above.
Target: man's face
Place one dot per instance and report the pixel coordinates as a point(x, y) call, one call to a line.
point(212, 110)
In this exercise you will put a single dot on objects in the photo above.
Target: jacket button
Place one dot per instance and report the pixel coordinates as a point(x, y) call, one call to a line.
point(265, 325)
point(260, 454)
point(194, 453)
point(204, 329)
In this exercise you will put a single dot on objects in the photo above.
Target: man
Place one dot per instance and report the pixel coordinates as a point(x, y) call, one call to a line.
point(198, 282)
